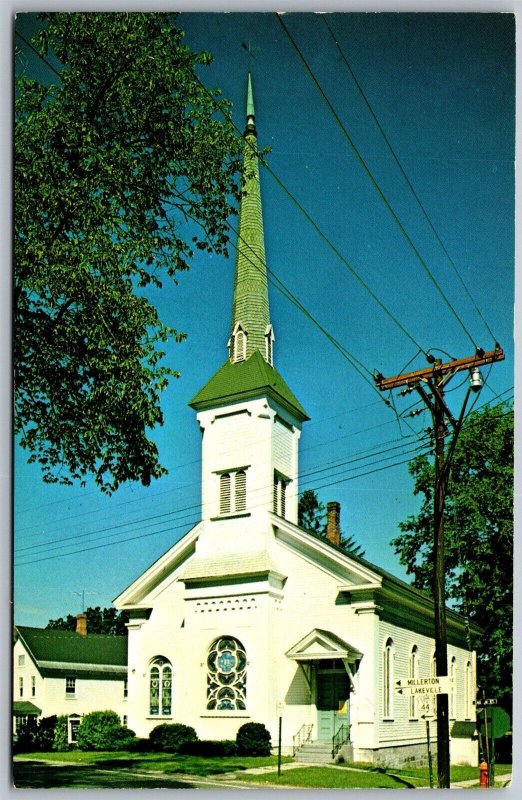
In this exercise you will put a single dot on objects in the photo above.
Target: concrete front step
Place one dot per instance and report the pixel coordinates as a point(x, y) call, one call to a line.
point(315, 752)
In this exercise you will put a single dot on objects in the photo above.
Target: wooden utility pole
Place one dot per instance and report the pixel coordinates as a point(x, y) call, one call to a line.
point(429, 383)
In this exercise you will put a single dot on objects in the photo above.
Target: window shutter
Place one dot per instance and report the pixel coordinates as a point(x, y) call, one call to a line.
point(240, 490)
point(224, 494)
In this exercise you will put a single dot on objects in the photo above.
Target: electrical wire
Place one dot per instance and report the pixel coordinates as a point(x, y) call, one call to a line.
point(324, 18)
point(170, 529)
point(370, 175)
point(150, 520)
point(314, 225)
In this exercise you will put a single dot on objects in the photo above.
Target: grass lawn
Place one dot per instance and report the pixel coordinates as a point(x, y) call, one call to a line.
point(159, 762)
point(327, 778)
point(370, 777)
point(362, 776)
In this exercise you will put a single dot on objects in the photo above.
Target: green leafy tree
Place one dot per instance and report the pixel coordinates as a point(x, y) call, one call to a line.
point(311, 515)
point(99, 620)
point(122, 169)
point(478, 526)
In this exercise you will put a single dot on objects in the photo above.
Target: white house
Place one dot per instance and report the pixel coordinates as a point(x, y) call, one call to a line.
point(250, 618)
point(68, 673)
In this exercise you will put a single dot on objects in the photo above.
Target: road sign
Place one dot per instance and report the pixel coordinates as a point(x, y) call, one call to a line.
point(424, 686)
point(498, 722)
point(484, 703)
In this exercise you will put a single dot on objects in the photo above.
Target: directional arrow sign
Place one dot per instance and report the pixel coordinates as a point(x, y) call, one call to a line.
point(424, 686)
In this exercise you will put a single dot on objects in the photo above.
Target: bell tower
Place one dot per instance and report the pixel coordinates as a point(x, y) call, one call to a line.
point(249, 418)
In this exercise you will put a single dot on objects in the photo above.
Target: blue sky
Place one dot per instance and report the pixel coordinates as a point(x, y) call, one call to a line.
point(442, 87)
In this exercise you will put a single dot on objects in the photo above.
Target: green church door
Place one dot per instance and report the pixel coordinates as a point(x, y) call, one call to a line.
point(333, 691)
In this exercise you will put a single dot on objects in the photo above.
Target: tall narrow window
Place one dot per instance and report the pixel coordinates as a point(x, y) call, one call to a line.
point(387, 679)
point(453, 688)
point(125, 688)
point(160, 687)
point(240, 490)
point(21, 686)
point(412, 673)
point(239, 340)
point(224, 494)
point(70, 687)
point(468, 691)
point(226, 675)
point(33, 686)
point(269, 345)
point(280, 486)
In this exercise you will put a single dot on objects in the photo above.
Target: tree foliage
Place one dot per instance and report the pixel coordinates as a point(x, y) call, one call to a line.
point(99, 620)
point(478, 526)
point(311, 515)
point(112, 159)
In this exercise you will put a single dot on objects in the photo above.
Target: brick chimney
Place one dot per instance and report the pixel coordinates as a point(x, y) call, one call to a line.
point(81, 624)
point(333, 527)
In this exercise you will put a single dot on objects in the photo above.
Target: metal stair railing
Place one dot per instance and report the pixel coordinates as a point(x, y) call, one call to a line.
point(341, 737)
point(303, 735)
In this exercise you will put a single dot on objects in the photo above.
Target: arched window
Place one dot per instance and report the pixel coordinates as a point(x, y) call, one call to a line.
point(387, 679)
point(269, 345)
point(240, 490)
point(240, 342)
point(280, 486)
point(468, 691)
point(224, 493)
point(453, 688)
point(413, 673)
point(160, 687)
point(226, 676)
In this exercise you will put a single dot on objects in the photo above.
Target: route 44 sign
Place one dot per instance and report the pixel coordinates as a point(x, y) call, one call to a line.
point(424, 686)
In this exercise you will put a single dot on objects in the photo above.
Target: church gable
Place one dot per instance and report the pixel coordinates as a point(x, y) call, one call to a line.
point(162, 573)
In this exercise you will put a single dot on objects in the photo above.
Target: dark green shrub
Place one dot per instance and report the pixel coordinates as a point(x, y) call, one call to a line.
point(207, 748)
point(60, 741)
point(102, 730)
point(35, 735)
point(253, 739)
point(138, 745)
point(168, 737)
point(45, 733)
point(26, 736)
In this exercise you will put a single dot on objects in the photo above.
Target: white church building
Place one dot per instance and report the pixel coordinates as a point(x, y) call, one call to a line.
point(251, 618)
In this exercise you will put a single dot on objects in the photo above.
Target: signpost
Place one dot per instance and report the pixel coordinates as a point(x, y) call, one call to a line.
point(494, 722)
point(424, 686)
point(426, 690)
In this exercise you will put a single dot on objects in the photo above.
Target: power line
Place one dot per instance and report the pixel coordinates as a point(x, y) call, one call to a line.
point(315, 226)
point(374, 182)
point(149, 520)
point(40, 56)
point(324, 18)
point(170, 529)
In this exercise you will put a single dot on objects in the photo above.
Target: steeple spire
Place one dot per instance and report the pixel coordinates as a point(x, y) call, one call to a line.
point(251, 329)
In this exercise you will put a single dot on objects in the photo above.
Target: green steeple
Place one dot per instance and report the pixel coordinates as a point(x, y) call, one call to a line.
point(250, 329)
point(249, 371)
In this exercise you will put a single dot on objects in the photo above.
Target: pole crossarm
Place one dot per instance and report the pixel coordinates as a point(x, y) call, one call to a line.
point(438, 370)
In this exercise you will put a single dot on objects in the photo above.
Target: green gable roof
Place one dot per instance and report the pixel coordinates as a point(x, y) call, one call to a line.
point(247, 379)
point(55, 650)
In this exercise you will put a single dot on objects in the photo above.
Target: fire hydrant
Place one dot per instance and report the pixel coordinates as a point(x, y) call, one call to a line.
point(484, 776)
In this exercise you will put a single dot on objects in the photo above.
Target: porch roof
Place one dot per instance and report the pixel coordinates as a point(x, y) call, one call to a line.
point(319, 645)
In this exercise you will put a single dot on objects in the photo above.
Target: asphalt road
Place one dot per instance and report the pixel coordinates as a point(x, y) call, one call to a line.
point(40, 775)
